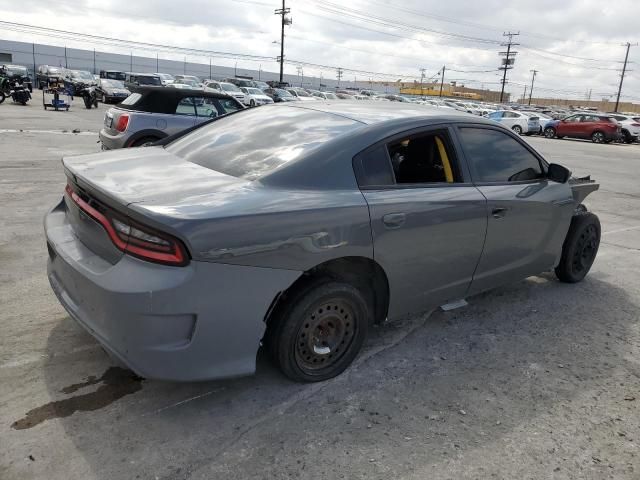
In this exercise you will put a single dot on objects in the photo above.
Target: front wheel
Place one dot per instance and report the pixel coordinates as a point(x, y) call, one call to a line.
point(2, 96)
point(549, 132)
point(252, 103)
point(319, 330)
point(580, 248)
point(517, 129)
point(597, 137)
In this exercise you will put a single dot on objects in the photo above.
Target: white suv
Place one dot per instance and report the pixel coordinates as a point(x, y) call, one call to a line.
point(630, 127)
point(228, 88)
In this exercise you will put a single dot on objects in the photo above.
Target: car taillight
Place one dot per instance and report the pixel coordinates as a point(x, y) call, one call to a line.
point(123, 122)
point(135, 239)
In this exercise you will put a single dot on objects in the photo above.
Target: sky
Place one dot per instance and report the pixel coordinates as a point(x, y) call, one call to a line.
point(576, 46)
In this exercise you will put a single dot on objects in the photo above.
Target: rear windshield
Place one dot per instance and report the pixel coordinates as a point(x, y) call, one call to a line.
point(255, 142)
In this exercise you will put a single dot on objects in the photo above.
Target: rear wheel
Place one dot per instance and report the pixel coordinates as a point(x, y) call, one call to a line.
point(549, 132)
point(319, 330)
point(597, 137)
point(626, 137)
point(517, 129)
point(2, 96)
point(580, 248)
point(252, 103)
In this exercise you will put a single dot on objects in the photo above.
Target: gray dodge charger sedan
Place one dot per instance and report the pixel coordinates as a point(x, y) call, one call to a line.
point(300, 226)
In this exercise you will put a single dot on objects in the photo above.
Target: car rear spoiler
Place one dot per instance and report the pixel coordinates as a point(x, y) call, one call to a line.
point(581, 187)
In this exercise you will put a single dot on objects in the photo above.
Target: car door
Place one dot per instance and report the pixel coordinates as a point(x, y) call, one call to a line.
point(528, 215)
point(570, 126)
point(428, 221)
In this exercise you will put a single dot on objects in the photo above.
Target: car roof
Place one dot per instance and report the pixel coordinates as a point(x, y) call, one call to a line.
point(163, 99)
point(371, 113)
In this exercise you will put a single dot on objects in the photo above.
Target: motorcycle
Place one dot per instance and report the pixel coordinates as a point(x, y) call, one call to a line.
point(89, 96)
point(16, 90)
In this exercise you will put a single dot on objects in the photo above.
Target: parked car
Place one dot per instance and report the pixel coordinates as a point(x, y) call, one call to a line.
point(111, 91)
point(280, 95)
point(152, 113)
point(630, 127)
point(345, 96)
point(16, 73)
point(254, 97)
point(598, 128)
point(301, 94)
point(166, 78)
point(191, 79)
point(132, 81)
point(185, 83)
point(521, 123)
point(241, 82)
point(292, 226)
point(260, 85)
point(77, 80)
point(226, 88)
point(325, 95)
point(113, 75)
point(47, 74)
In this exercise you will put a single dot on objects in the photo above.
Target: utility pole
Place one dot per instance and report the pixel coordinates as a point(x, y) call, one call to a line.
point(524, 95)
point(422, 70)
point(66, 65)
point(210, 76)
point(442, 80)
point(339, 75)
point(131, 61)
point(533, 78)
point(33, 50)
point(624, 70)
point(157, 63)
point(285, 21)
point(184, 66)
point(507, 61)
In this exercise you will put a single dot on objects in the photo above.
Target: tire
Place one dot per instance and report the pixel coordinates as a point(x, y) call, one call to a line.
point(144, 142)
point(580, 248)
point(549, 132)
point(252, 103)
point(626, 137)
point(2, 97)
point(319, 330)
point(517, 129)
point(598, 137)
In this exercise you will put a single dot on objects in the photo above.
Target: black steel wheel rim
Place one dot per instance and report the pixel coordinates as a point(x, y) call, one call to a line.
point(586, 249)
point(326, 335)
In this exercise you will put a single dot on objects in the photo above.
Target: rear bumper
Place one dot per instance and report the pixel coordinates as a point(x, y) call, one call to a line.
point(111, 142)
point(171, 323)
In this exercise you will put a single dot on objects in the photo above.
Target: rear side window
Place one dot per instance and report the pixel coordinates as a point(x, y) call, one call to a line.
point(131, 99)
point(257, 141)
point(422, 158)
point(494, 156)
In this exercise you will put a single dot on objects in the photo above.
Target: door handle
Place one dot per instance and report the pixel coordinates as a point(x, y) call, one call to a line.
point(394, 220)
point(499, 212)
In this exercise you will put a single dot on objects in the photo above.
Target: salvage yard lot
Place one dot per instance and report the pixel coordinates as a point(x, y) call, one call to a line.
point(534, 380)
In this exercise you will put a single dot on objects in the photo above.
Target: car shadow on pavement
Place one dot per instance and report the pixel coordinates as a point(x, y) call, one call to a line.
point(533, 356)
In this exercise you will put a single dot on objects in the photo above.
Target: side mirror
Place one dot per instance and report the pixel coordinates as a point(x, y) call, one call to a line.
point(558, 173)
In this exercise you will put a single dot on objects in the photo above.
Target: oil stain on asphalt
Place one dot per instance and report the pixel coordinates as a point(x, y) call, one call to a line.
point(115, 383)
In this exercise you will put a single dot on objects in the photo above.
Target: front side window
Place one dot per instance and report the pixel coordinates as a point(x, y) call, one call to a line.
point(205, 107)
point(227, 106)
point(422, 158)
point(495, 156)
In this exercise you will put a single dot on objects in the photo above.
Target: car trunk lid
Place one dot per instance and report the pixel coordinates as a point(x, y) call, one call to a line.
point(117, 180)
